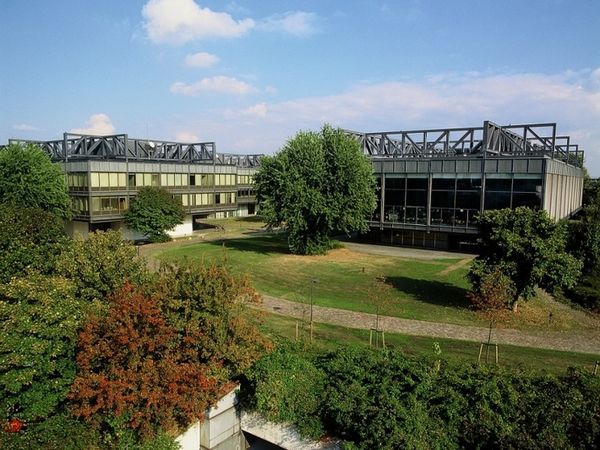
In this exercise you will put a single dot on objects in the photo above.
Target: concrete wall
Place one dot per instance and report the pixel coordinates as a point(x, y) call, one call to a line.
point(285, 436)
point(220, 429)
point(562, 195)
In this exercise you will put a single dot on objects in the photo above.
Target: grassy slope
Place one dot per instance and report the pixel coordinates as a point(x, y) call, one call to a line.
point(329, 337)
point(418, 289)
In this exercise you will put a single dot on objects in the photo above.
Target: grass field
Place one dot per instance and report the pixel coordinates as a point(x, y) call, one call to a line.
point(329, 337)
point(423, 289)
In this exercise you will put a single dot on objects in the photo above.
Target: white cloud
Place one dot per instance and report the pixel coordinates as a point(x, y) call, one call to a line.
point(220, 84)
point(186, 136)
point(201, 59)
point(296, 23)
point(97, 124)
point(571, 99)
point(181, 21)
point(26, 127)
point(258, 110)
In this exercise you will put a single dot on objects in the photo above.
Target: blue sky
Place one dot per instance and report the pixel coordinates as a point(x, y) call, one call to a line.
point(249, 74)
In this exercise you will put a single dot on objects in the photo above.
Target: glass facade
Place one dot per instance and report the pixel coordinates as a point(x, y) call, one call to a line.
point(245, 179)
point(512, 192)
point(109, 206)
point(454, 199)
point(98, 204)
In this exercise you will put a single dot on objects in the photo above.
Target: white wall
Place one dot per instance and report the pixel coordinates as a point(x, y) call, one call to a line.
point(76, 228)
point(184, 229)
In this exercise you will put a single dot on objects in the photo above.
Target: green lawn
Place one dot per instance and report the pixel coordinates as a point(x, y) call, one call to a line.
point(432, 290)
point(329, 337)
point(346, 279)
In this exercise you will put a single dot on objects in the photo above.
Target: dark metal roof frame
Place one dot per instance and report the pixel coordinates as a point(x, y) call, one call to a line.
point(490, 140)
point(120, 146)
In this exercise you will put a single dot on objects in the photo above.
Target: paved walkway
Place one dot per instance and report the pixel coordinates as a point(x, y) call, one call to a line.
point(588, 343)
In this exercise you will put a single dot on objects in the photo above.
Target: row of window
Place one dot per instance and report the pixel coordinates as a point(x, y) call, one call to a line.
point(456, 217)
point(78, 181)
point(246, 193)
point(245, 179)
point(118, 205)
point(466, 184)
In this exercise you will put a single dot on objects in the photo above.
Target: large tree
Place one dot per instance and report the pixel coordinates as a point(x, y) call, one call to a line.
point(30, 239)
point(528, 247)
point(153, 212)
point(318, 184)
point(100, 264)
point(28, 178)
point(39, 321)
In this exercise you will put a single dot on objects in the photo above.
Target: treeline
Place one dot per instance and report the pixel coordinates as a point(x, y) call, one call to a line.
point(386, 400)
point(97, 352)
point(584, 242)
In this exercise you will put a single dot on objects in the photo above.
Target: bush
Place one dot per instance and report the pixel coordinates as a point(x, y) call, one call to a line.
point(100, 264)
point(378, 400)
point(385, 400)
point(491, 291)
point(131, 369)
point(211, 311)
point(39, 321)
point(587, 291)
point(59, 432)
point(287, 387)
point(30, 240)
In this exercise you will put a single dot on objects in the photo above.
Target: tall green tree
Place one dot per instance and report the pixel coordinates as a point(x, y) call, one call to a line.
point(318, 184)
point(28, 178)
point(528, 247)
point(100, 264)
point(153, 212)
point(213, 309)
point(30, 239)
point(39, 321)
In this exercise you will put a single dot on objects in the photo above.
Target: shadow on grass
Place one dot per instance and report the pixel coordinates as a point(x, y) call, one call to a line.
point(264, 245)
point(431, 291)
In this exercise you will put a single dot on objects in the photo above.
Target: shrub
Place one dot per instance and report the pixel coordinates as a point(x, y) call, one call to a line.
point(100, 264)
point(131, 369)
point(30, 240)
point(210, 309)
point(287, 387)
point(39, 321)
point(385, 400)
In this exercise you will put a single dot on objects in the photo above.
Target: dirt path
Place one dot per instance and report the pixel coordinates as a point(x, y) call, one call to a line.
point(588, 343)
point(458, 265)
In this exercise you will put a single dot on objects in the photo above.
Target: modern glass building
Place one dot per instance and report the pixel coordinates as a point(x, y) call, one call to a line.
point(103, 174)
point(432, 183)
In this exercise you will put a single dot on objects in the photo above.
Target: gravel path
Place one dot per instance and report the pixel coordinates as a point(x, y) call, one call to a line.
point(587, 343)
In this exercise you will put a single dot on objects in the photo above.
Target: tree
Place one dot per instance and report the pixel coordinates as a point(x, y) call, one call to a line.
point(30, 239)
point(319, 183)
point(133, 371)
point(211, 310)
point(101, 264)
point(28, 178)
point(39, 321)
point(493, 293)
point(153, 212)
point(528, 247)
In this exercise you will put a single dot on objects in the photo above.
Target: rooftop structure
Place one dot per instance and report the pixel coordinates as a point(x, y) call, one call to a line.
point(104, 173)
point(432, 183)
